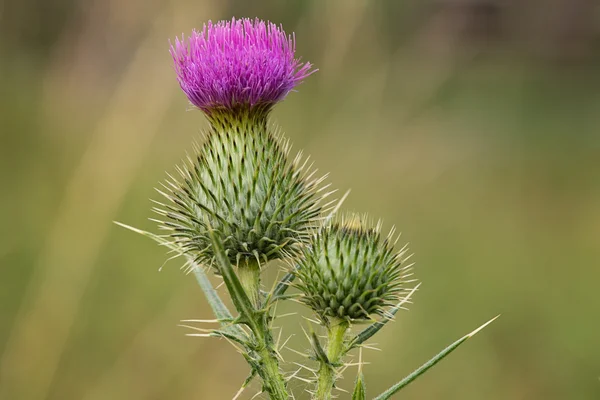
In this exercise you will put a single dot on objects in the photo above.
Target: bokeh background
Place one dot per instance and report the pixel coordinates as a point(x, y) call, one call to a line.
point(471, 125)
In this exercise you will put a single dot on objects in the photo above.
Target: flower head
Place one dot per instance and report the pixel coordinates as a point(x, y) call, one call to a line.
point(350, 271)
point(237, 63)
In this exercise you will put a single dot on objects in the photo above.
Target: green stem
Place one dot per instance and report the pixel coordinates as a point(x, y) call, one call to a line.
point(249, 276)
point(268, 363)
point(273, 381)
point(262, 355)
point(335, 350)
point(265, 358)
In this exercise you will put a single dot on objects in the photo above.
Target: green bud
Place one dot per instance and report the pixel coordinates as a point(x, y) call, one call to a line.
point(351, 272)
point(241, 184)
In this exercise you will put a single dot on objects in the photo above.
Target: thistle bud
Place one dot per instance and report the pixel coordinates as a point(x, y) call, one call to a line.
point(350, 271)
point(240, 183)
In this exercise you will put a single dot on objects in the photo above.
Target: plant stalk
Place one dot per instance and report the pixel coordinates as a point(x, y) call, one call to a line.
point(242, 286)
point(267, 362)
point(327, 374)
point(273, 380)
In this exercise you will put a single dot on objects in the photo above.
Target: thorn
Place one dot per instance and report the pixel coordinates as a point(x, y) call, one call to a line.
point(195, 328)
point(312, 320)
point(340, 389)
point(409, 295)
point(476, 331)
point(286, 315)
point(314, 371)
point(298, 352)
point(208, 321)
point(306, 334)
point(283, 346)
point(131, 228)
point(371, 347)
point(293, 375)
point(358, 363)
point(220, 285)
point(305, 380)
point(360, 350)
point(337, 207)
point(239, 392)
point(278, 338)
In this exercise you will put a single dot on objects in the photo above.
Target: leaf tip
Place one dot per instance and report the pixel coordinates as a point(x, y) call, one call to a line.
point(476, 331)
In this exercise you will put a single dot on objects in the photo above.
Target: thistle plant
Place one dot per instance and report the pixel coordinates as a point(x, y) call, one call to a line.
point(240, 202)
point(240, 183)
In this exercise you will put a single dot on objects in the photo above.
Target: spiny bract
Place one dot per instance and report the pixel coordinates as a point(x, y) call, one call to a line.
point(241, 185)
point(351, 272)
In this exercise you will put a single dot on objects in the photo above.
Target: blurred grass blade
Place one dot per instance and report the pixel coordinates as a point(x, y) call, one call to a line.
point(372, 329)
point(359, 388)
point(418, 372)
point(216, 304)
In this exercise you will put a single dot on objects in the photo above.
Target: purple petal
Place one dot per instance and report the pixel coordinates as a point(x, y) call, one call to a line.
point(237, 63)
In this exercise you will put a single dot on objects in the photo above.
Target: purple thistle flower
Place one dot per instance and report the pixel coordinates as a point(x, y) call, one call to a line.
point(237, 63)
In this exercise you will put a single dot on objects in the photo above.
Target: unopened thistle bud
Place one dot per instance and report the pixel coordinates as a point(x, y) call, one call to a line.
point(350, 271)
point(240, 183)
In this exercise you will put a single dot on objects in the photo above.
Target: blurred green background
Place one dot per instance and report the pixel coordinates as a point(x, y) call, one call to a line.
point(471, 125)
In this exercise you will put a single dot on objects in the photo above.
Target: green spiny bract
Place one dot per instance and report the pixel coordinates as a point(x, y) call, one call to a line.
point(241, 185)
point(351, 272)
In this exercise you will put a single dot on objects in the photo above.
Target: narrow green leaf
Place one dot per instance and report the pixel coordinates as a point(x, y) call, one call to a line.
point(359, 392)
point(319, 351)
point(218, 307)
point(224, 333)
point(238, 295)
point(249, 378)
point(419, 371)
point(283, 284)
point(372, 329)
point(216, 304)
